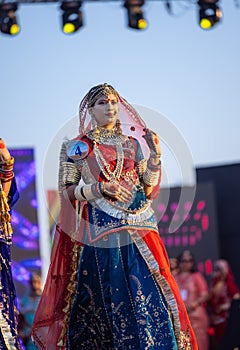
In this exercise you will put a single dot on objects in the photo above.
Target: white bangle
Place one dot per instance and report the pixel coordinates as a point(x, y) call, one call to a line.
point(150, 177)
point(88, 193)
point(83, 193)
point(78, 195)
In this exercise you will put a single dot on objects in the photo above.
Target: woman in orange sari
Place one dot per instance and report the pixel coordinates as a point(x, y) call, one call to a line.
point(109, 284)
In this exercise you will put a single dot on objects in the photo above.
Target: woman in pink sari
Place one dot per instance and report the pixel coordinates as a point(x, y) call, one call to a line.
point(194, 292)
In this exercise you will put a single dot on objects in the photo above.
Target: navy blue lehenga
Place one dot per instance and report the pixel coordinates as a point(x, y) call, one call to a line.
point(118, 304)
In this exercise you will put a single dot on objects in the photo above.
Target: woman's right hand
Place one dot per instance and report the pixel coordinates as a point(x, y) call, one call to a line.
point(153, 142)
point(117, 191)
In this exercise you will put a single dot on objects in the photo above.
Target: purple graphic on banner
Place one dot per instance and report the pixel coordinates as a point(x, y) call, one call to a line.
point(25, 248)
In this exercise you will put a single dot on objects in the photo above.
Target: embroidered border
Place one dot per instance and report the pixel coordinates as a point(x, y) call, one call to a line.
point(9, 339)
point(163, 284)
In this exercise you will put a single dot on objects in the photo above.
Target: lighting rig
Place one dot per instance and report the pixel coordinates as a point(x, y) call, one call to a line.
point(209, 14)
point(8, 19)
point(72, 18)
point(136, 19)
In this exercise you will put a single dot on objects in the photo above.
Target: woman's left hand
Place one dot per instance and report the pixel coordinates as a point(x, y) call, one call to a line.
point(153, 141)
point(4, 153)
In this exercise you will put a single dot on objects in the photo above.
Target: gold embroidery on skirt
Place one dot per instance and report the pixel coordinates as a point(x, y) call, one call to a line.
point(6, 333)
point(71, 288)
point(182, 338)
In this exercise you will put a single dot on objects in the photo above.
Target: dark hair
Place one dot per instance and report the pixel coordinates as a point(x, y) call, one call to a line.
point(101, 89)
point(180, 258)
point(34, 275)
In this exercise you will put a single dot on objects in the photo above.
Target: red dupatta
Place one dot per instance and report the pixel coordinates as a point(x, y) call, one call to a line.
point(50, 322)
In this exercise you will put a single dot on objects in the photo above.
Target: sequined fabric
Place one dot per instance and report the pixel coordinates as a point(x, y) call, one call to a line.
point(118, 303)
point(8, 311)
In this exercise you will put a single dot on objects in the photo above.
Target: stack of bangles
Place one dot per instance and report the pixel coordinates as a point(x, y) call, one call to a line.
point(151, 174)
point(89, 192)
point(97, 190)
point(6, 170)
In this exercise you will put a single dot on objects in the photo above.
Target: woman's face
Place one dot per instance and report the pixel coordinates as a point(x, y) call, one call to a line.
point(220, 268)
point(105, 111)
point(186, 262)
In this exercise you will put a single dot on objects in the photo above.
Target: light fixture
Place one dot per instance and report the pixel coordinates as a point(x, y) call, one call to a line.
point(136, 18)
point(209, 13)
point(72, 18)
point(8, 19)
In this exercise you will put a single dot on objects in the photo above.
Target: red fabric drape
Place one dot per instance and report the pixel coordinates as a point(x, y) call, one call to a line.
point(158, 250)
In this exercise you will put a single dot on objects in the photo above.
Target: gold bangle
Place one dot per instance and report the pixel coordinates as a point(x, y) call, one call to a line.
point(4, 180)
point(7, 162)
point(155, 155)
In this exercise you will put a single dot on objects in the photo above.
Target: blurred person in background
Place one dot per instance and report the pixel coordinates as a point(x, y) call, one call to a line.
point(174, 266)
point(223, 290)
point(194, 291)
point(8, 196)
point(28, 308)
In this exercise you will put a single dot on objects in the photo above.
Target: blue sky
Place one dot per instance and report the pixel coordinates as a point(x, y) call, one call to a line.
point(190, 76)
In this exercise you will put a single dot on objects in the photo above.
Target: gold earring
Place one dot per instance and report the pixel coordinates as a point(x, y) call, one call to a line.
point(118, 127)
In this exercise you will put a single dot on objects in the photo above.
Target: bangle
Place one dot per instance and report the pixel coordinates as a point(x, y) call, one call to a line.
point(78, 195)
point(81, 191)
point(87, 192)
point(96, 190)
point(155, 155)
point(4, 180)
point(7, 162)
point(101, 187)
point(154, 167)
point(6, 176)
point(150, 177)
point(104, 190)
point(70, 173)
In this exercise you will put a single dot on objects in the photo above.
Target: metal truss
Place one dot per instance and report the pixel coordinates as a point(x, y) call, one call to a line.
point(112, 1)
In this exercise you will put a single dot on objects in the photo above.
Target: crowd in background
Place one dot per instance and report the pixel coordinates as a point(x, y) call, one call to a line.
point(210, 307)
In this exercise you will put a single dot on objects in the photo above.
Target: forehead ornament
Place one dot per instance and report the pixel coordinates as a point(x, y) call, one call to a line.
point(104, 89)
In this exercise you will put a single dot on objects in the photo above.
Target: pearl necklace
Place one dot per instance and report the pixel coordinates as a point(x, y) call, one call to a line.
point(105, 167)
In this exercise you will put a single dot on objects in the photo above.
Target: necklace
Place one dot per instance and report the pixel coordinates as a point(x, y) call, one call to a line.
point(105, 136)
point(105, 167)
point(108, 137)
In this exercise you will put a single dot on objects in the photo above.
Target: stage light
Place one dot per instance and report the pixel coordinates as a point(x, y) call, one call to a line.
point(136, 18)
point(209, 13)
point(8, 19)
point(72, 18)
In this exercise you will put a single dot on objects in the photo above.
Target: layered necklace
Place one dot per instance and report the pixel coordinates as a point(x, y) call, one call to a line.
point(108, 137)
